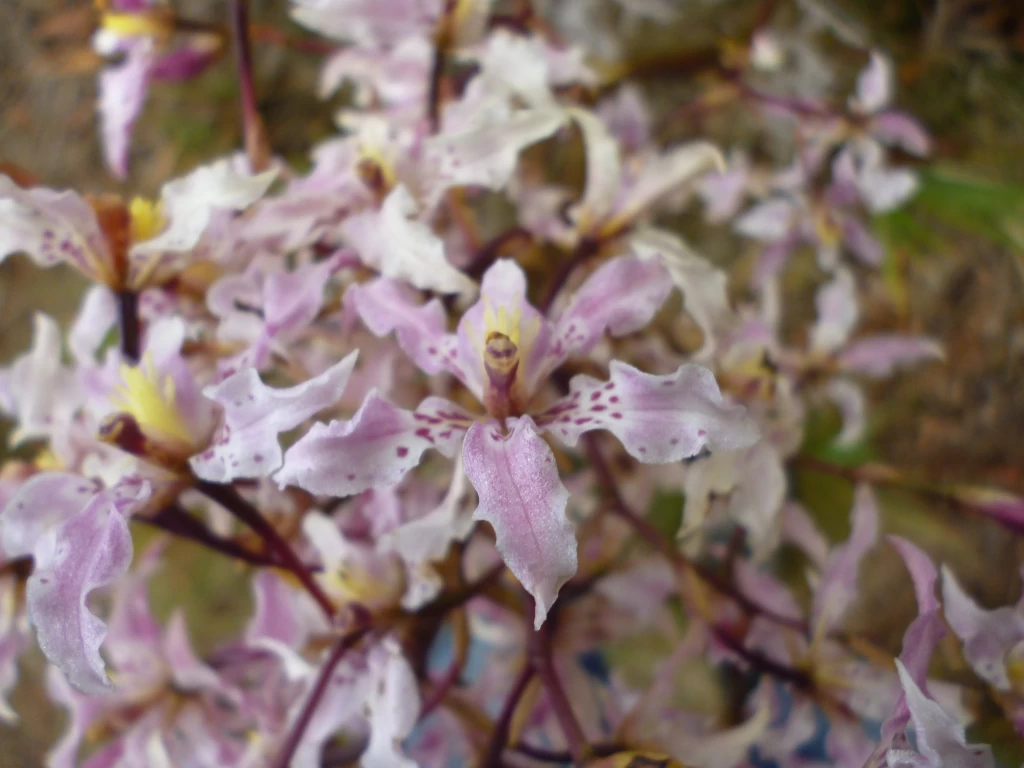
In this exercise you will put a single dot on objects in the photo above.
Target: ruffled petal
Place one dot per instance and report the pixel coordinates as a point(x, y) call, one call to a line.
point(523, 499)
point(393, 706)
point(874, 85)
point(189, 673)
point(604, 172)
point(50, 227)
point(386, 306)
point(900, 129)
point(988, 636)
point(658, 419)
point(89, 551)
point(189, 202)
point(122, 92)
point(46, 501)
point(620, 297)
point(400, 247)
point(838, 311)
point(246, 445)
point(940, 738)
point(704, 286)
point(375, 449)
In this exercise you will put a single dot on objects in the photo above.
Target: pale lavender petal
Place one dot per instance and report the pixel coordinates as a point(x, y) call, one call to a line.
point(604, 172)
point(292, 300)
point(386, 306)
point(849, 399)
point(45, 502)
point(723, 192)
point(274, 616)
point(341, 705)
point(50, 227)
point(900, 129)
point(940, 738)
point(988, 636)
point(626, 114)
point(90, 550)
point(375, 449)
point(246, 445)
point(799, 528)
point(756, 502)
point(189, 673)
point(190, 201)
point(838, 586)
point(522, 497)
point(668, 173)
point(393, 705)
point(704, 286)
point(620, 297)
point(486, 155)
point(874, 85)
point(402, 248)
point(659, 419)
point(769, 221)
point(878, 356)
point(95, 318)
point(122, 92)
point(838, 310)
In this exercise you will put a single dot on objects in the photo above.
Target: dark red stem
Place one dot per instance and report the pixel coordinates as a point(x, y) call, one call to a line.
point(255, 134)
point(499, 737)
point(229, 498)
point(128, 314)
point(586, 248)
point(543, 665)
point(343, 645)
point(177, 521)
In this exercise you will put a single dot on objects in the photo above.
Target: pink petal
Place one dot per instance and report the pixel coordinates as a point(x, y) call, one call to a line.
point(254, 415)
point(988, 636)
point(838, 310)
point(122, 92)
point(90, 550)
point(393, 706)
point(667, 173)
point(523, 499)
point(874, 85)
point(386, 306)
point(769, 221)
point(292, 300)
point(838, 586)
point(659, 419)
point(604, 171)
point(620, 297)
point(861, 243)
point(849, 398)
point(274, 616)
point(940, 738)
point(50, 227)
point(45, 502)
point(189, 673)
point(878, 356)
point(902, 130)
point(375, 449)
point(403, 248)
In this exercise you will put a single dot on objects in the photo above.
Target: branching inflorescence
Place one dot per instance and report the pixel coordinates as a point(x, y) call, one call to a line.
point(440, 487)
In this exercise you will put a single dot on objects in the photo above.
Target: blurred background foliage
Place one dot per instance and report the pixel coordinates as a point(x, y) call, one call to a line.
point(954, 267)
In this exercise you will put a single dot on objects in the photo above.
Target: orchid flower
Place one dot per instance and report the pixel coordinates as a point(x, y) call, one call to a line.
point(143, 33)
point(125, 247)
point(503, 353)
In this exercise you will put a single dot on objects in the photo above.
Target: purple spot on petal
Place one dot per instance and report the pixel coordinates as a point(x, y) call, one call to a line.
point(613, 399)
point(599, 408)
point(258, 458)
point(610, 385)
point(616, 415)
point(402, 451)
point(595, 396)
point(701, 432)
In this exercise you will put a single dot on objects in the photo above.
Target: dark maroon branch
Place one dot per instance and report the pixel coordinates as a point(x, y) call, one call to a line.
point(347, 642)
point(128, 314)
point(257, 145)
point(586, 248)
point(177, 521)
point(499, 736)
point(229, 498)
point(543, 665)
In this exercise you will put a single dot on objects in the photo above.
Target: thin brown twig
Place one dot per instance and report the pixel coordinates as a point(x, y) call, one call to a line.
point(229, 498)
point(543, 664)
point(502, 726)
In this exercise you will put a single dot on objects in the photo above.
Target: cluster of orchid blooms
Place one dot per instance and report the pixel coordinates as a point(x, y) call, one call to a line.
point(338, 379)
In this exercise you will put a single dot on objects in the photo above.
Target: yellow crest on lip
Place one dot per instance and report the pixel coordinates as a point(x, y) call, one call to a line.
point(134, 24)
point(147, 219)
point(150, 400)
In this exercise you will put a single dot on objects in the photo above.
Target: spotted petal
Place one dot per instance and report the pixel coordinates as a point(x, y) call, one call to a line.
point(659, 419)
point(621, 297)
point(246, 444)
point(523, 499)
point(122, 92)
point(374, 449)
point(90, 550)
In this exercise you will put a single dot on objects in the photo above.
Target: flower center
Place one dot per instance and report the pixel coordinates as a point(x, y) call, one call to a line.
point(149, 398)
point(147, 219)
